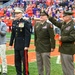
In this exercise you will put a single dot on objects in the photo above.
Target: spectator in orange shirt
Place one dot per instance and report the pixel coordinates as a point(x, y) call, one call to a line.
point(29, 11)
point(1, 12)
point(10, 24)
point(49, 2)
point(73, 11)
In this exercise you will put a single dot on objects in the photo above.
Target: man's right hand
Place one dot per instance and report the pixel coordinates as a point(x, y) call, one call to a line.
point(52, 49)
point(10, 48)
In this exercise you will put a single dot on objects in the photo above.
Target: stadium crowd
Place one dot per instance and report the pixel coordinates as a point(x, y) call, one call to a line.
point(32, 9)
point(40, 10)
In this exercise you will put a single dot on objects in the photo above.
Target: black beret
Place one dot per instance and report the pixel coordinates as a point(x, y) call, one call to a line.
point(43, 13)
point(67, 13)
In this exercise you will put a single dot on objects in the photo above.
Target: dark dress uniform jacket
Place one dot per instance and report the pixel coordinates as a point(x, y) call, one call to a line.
point(67, 36)
point(44, 37)
point(20, 34)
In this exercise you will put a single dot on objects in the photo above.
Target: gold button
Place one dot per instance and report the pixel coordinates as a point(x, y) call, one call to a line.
point(16, 32)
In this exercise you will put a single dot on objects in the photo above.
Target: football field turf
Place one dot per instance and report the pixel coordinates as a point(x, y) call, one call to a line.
point(55, 68)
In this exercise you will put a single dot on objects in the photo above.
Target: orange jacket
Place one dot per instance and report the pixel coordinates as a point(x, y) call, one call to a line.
point(10, 22)
point(74, 13)
point(29, 11)
point(1, 12)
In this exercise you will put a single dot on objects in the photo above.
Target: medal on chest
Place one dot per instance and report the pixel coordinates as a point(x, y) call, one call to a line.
point(74, 26)
point(21, 24)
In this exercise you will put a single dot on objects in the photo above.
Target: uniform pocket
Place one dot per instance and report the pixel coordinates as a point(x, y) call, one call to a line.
point(68, 48)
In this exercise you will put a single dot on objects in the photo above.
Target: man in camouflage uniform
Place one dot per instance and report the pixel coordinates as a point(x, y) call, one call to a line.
point(44, 43)
point(67, 38)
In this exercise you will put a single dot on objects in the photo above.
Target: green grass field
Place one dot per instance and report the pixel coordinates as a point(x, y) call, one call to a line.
point(55, 68)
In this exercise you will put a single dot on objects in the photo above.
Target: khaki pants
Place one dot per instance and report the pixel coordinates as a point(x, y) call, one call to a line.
point(43, 61)
point(3, 58)
point(67, 64)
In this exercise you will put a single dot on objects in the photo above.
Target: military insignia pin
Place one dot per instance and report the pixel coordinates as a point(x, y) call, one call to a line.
point(20, 30)
point(51, 26)
point(74, 27)
point(37, 26)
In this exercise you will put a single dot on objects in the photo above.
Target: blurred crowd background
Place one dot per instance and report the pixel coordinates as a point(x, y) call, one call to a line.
point(32, 8)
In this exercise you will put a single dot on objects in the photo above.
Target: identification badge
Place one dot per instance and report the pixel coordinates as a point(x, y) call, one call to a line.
point(45, 27)
point(68, 28)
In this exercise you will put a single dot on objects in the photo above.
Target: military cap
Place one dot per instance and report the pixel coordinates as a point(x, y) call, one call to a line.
point(18, 10)
point(43, 13)
point(67, 13)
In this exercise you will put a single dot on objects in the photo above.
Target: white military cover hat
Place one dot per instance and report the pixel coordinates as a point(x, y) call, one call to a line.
point(18, 10)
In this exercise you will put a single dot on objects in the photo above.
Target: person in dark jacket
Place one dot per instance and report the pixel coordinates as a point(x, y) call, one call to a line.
point(67, 38)
point(44, 43)
point(21, 37)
